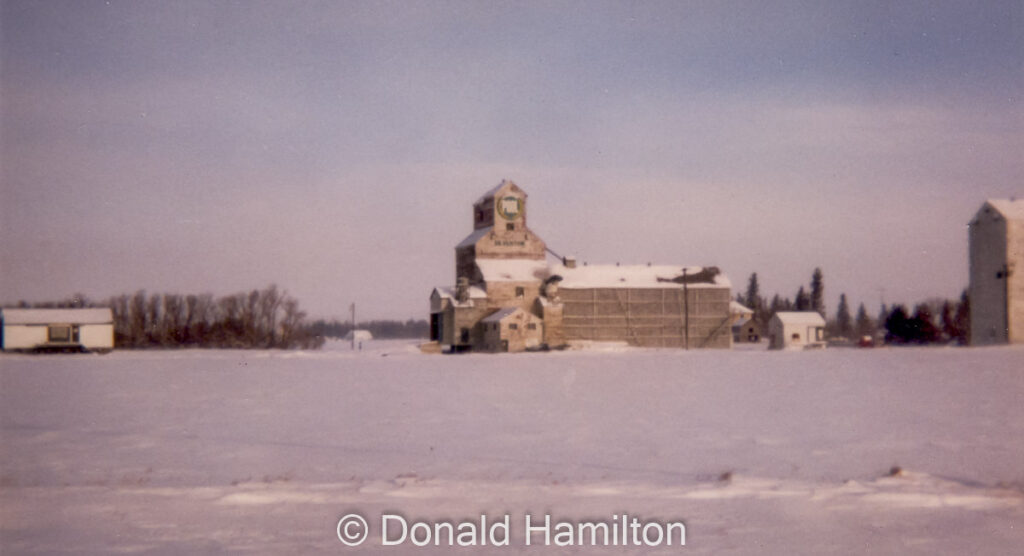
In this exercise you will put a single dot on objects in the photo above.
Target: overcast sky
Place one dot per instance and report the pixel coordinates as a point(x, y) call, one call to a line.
point(335, 148)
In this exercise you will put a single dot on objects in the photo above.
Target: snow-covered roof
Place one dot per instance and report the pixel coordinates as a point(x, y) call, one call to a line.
point(810, 318)
point(490, 192)
point(449, 293)
point(500, 314)
point(360, 335)
point(474, 237)
point(1011, 209)
point(61, 316)
point(735, 307)
point(512, 270)
point(631, 276)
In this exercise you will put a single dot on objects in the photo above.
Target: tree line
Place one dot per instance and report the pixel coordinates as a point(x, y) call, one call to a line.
point(939, 321)
point(267, 318)
point(933, 321)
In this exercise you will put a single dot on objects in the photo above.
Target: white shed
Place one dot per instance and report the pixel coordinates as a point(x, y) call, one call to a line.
point(796, 330)
point(77, 329)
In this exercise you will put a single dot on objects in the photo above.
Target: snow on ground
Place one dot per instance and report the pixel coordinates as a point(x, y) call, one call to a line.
point(172, 452)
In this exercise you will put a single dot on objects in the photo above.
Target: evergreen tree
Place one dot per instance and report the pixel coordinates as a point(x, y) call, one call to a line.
point(962, 319)
point(803, 300)
point(923, 325)
point(865, 326)
point(896, 326)
point(753, 297)
point(818, 292)
point(844, 323)
point(919, 329)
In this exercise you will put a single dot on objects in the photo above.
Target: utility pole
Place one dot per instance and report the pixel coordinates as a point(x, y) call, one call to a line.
point(353, 308)
point(686, 312)
point(1004, 275)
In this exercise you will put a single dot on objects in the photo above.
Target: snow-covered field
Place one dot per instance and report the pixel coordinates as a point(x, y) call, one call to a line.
point(192, 452)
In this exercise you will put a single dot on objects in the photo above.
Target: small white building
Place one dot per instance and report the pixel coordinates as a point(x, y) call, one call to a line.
point(39, 329)
point(796, 330)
